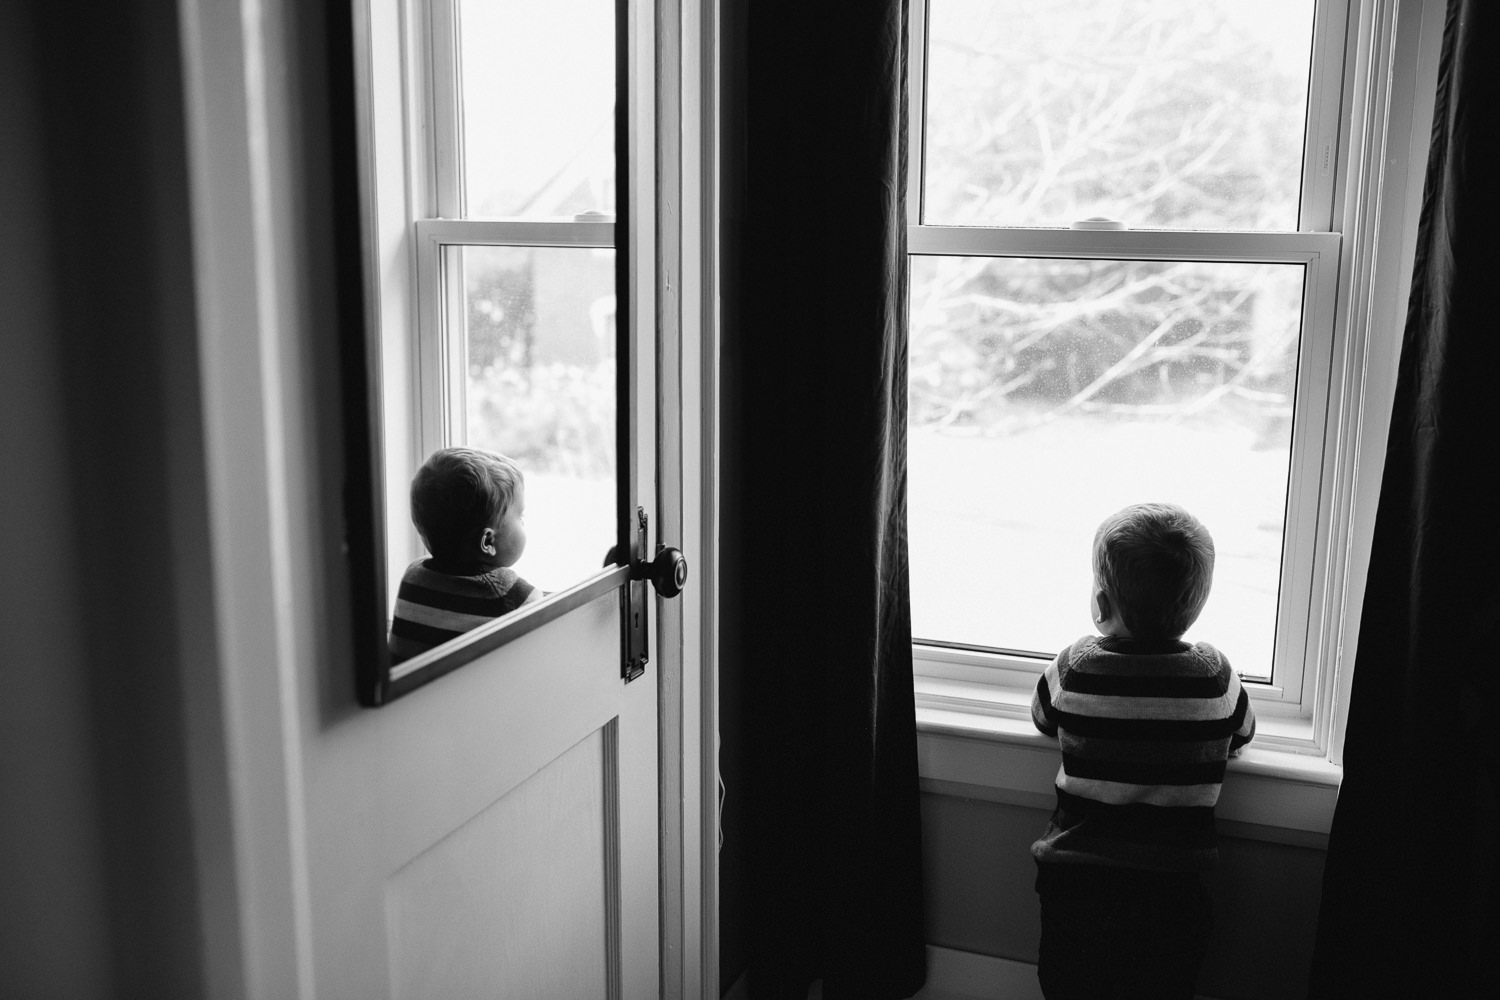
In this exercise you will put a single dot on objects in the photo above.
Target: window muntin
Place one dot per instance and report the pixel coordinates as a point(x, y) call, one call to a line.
point(1306, 494)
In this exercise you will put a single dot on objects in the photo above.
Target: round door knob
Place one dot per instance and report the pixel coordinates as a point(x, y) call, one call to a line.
point(669, 571)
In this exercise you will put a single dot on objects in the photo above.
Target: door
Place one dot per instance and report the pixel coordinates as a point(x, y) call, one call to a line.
point(493, 832)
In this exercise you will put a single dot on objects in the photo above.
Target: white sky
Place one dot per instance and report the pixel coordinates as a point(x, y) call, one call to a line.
point(539, 80)
point(540, 75)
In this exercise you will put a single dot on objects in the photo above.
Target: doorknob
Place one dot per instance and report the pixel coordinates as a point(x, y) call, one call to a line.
point(668, 572)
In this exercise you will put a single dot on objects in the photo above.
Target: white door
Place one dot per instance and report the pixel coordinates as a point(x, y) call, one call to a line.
point(495, 832)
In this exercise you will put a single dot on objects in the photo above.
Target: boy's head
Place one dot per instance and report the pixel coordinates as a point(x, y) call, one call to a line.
point(1153, 567)
point(468, 506)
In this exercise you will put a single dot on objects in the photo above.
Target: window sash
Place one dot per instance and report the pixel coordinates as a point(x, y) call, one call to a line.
point(1324, 133)
point(1307, 496)
point(1311, 556)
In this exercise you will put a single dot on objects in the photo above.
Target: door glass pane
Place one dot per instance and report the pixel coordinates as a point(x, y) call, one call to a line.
point(1047, 394)
point(540, 343)
point(1158, 113)
point(538, 90)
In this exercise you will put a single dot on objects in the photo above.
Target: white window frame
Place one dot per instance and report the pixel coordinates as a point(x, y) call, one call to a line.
point(1370, 99)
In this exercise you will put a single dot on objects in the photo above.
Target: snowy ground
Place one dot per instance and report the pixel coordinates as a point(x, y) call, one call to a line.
point(1002, 528)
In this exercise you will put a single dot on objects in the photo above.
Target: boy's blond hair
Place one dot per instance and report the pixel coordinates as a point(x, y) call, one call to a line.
point(1156, 562)
point(458, 492)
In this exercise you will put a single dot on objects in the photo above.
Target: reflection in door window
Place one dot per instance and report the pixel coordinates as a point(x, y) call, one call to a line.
point(540, 388)
point(538, 103)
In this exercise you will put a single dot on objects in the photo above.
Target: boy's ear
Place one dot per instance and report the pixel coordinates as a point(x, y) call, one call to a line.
point(487, 541)
point(1103, 610)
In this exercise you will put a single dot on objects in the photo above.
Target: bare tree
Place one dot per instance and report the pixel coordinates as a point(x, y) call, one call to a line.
point(1153, 113)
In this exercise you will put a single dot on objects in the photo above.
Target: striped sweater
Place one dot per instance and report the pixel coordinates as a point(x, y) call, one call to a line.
point(433, 607)
point(1145, 729)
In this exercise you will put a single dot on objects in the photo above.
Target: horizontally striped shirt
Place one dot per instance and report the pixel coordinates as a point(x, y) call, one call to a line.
point(1145, 729)
point(433, 607)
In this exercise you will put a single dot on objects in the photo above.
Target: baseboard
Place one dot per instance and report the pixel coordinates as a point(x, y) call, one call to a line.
point(954, 975)
point(963, 975)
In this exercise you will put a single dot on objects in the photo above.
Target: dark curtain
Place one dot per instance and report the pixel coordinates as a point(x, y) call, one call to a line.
point(1410, 893)
point(815, 606)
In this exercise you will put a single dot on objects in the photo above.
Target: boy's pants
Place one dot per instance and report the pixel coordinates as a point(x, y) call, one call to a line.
point(1121, 933)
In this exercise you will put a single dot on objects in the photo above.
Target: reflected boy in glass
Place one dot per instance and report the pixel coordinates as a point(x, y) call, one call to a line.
point(469, 506)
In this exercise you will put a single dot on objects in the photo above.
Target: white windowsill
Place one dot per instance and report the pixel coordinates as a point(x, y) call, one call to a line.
point(980, 743)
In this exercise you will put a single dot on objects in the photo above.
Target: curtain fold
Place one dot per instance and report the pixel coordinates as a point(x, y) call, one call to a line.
point(1411, 891)
point(814, 462)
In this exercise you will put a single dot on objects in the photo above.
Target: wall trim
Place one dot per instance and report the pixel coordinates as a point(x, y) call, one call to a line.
point(964, 975)
point(1267, 795)
point(953, 975)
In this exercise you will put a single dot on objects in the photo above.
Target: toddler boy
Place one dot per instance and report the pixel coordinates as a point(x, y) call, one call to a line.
point(1145, 722)
point(469, 506)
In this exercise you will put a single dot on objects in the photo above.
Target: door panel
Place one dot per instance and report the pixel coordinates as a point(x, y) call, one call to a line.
point(508, 903)
point(493, 833)
point(462, 742)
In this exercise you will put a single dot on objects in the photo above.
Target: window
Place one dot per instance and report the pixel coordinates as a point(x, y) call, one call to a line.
point(1135, 276)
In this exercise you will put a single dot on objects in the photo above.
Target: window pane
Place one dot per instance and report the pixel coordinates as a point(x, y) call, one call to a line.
point(1158, 113)
point(1047, 394)
point(541, 389)
point(538, 107)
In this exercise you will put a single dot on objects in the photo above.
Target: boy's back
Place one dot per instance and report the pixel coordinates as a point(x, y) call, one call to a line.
point(469, 506)
point(433, 606)
point(1145, 728)
point(1145, 722)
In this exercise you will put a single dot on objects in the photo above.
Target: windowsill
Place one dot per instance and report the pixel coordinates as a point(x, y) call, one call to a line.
point(978, 741)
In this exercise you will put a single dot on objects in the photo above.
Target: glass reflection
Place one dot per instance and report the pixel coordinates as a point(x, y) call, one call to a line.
point(520, 502)
point(538, 107)
point(469, 506)
point(540, 388)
